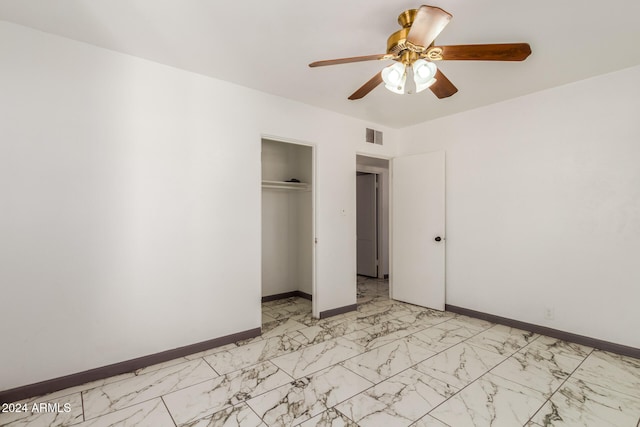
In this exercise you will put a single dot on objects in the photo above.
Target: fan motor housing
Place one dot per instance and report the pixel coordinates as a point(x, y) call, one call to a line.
point(396, 42)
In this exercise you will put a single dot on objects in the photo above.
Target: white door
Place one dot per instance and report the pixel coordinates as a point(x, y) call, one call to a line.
point(367, 225)
point(417, 233)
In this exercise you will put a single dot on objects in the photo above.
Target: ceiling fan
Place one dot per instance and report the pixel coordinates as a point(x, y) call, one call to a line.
point(413, 49)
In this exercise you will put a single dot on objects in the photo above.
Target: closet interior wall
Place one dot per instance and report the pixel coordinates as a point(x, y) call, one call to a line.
point(287, 233)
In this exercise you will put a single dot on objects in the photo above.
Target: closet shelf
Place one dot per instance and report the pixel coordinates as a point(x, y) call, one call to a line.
point(283, 185)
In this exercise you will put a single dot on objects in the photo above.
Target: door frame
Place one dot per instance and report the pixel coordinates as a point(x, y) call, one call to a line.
point(314, 180)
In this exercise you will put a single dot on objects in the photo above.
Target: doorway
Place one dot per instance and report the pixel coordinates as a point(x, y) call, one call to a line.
point(288, 229)
point(411, 238)
point(372, 224)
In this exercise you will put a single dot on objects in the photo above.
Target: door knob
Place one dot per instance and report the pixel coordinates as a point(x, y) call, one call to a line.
point(437, 239)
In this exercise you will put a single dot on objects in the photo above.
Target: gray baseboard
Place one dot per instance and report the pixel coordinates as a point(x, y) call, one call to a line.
point(339, 310)
point(286, 295)
point(550, 332)
point(49, 386)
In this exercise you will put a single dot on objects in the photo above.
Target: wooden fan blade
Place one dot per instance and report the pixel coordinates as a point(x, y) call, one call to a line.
point(442, 88)
point(428, 23)
point(486, 52)
point(367, 87)
point(348, 60)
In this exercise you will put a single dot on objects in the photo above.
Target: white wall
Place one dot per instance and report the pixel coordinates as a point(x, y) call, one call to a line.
point(543, 206)
point(130, 191)
point(278, 258)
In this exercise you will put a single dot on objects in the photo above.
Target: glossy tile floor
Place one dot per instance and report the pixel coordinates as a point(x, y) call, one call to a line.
point(388, 364)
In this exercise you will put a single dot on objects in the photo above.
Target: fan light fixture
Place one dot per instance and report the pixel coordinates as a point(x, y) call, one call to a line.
point(424, 74)
point(395, 76)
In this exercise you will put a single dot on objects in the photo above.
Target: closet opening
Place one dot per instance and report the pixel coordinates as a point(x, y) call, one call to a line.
point(288, 248)
point(372, 225)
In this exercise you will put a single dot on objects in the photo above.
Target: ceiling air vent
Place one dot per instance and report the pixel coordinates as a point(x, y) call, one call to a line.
point(374, 136)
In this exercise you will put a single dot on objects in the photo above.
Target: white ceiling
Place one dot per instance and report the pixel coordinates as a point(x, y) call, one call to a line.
point(267, 44)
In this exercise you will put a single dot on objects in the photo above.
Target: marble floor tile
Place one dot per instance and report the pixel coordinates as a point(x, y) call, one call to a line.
point(502, 339)
point(396, 324)
point(373, 308)
point(383, 314)
point(205, 398)
point(283, 301)
point(36, 413)
point(362, 299)
point(580, 403)
point(350, 316)
point(211, 351)
point(412, 308)
point(471, 323)
point(151, 413)
point(383, 362)
point(381, 334)
point(618, 373)
point(490, 401)
point(426, 318)
point(372, 300)
point(360, 323)
point(562, 348)
point(329, 418)
point(308, 396)
point(372, 287)
point(306, 319)
point(287, 310)
point(291, 302)
point(386, 302)
point(252, 340)
point(322, 332)
point(303, 302)
point(380, 302)
point(235, 416)
point(537, 368)
point(280, 327)
point(316, 357)
point(397, 401)
point(429, 421)
point(266, 317)
point(460, 364)
point(121, 394)
point(444, 335)
point(250, 354)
